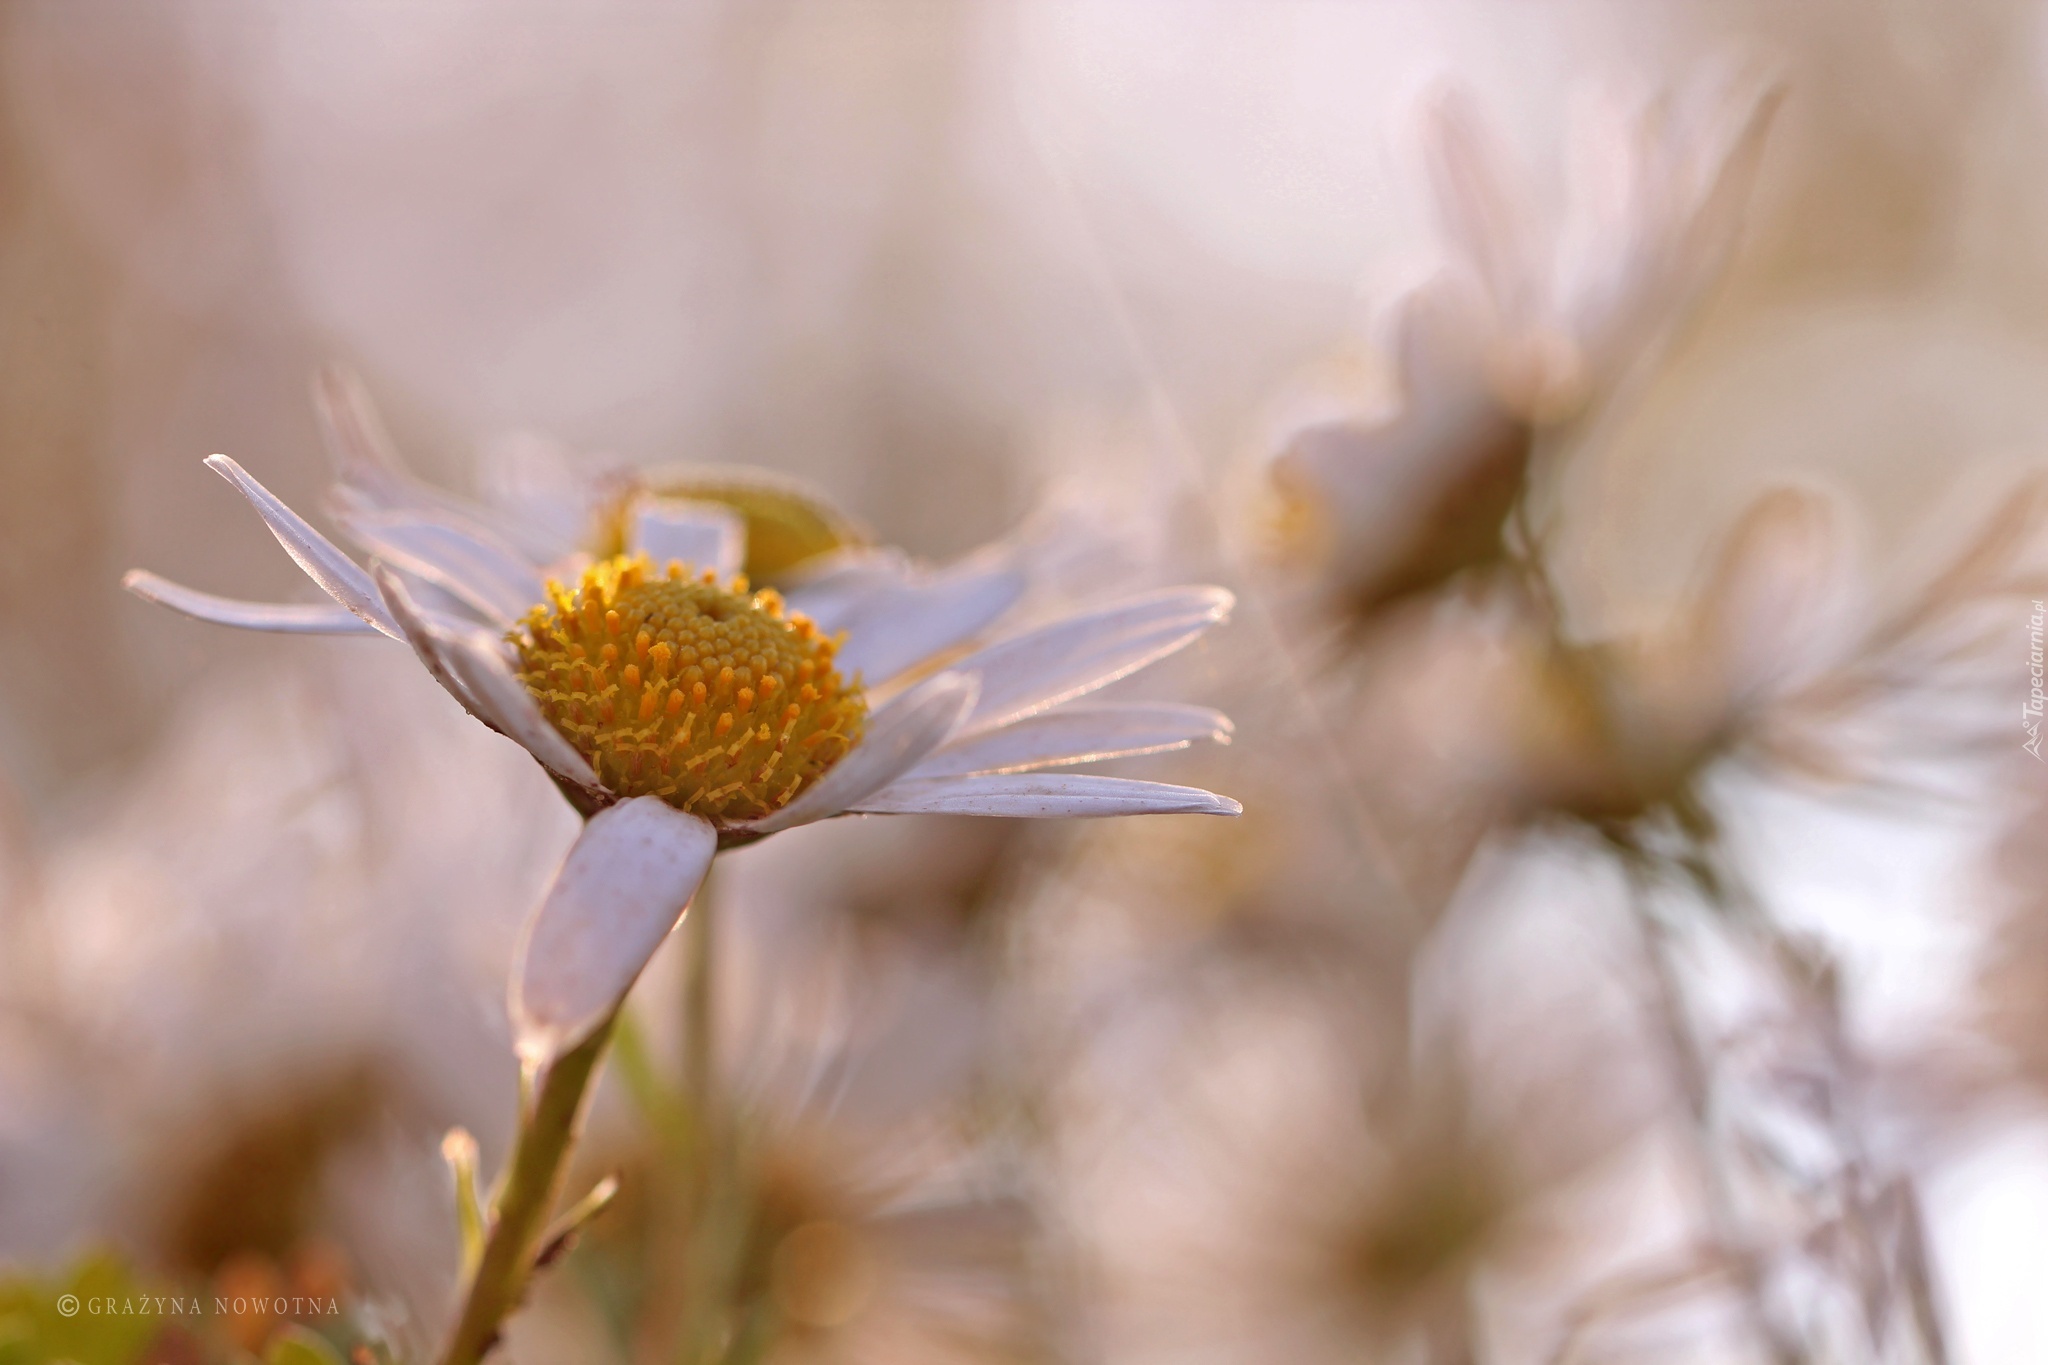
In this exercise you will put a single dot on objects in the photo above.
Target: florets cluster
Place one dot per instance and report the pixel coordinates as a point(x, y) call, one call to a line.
point(674, 686)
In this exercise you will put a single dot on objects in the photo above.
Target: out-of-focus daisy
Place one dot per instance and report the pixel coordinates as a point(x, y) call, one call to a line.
point(1526, 325)
point(1285, 1185)
point(1617, 726)
point(1773, 662)
point(815, 1186)
point(683, 713)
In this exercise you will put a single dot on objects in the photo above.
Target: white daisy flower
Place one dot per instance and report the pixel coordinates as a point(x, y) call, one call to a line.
point(1529, 323)
point(1656, 194)
point(682, 713)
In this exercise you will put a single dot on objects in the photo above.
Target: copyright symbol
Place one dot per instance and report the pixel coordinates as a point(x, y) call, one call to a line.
point(68, 1305)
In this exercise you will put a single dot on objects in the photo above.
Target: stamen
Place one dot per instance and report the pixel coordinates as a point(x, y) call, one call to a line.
point(660, 678)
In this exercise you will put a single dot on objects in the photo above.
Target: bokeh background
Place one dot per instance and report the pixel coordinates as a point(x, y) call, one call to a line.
point(954, 263)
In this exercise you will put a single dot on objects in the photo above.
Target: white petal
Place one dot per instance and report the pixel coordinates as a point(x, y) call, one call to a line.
point(362, 451)
point(833, 589)
point(1774, 601)
point(1078, 734)
point(1055, 663)
point(416, 621)
point(372, 475)
point(343, 579)
point(1044, 796)
point(1387, 482)
point(453, 552)
point(1376, 475)
point(1657, 203)
point(286, 618)
point(898, 738)
point(468, 663)
point(1484, 210)
point(547, 497)
point(477, 660)
point(703, 535)
point(1727, 168)
point(896, 611)
point(623, 887)
point(1617, 233)
point(926, 616)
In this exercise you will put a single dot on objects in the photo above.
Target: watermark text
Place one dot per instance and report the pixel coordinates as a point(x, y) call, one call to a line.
point(2037, 696)
point(198, 1305)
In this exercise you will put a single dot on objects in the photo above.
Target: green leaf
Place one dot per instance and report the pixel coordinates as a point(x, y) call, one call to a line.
point(297, 1346)
point(98, 1313)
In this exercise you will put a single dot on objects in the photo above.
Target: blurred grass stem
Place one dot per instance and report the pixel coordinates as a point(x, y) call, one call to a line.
point(1695, 1079)
point(717, 1206)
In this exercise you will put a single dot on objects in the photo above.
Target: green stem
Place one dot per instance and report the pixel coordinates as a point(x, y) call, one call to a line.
point(532, 1184)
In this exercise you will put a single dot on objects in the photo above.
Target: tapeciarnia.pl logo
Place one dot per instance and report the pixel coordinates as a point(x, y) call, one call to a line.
point(2037, 697)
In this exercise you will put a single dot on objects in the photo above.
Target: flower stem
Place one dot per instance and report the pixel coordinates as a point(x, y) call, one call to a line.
point(532, 1184)
point(1694, 1075)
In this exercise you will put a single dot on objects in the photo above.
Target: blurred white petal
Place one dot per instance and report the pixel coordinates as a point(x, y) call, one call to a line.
point(1078, 734)
point(285, 618)
point(1484, 212)
point(1718, 182)
point(343, 579)
point(1657, 200)
point(372, 481)
point(1044, 796)
point(362, 451)
point(835, 589)
point(621, 890)
point(467, 662)
point(454, 552)
point(898, 738)
point(1043, 667)
point(1390, 488)
point(547, 497)
point(703, 535)
point(1608, 234)
point(1772, 604)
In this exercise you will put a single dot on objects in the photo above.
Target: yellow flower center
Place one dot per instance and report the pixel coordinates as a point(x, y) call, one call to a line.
point(676, 687)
